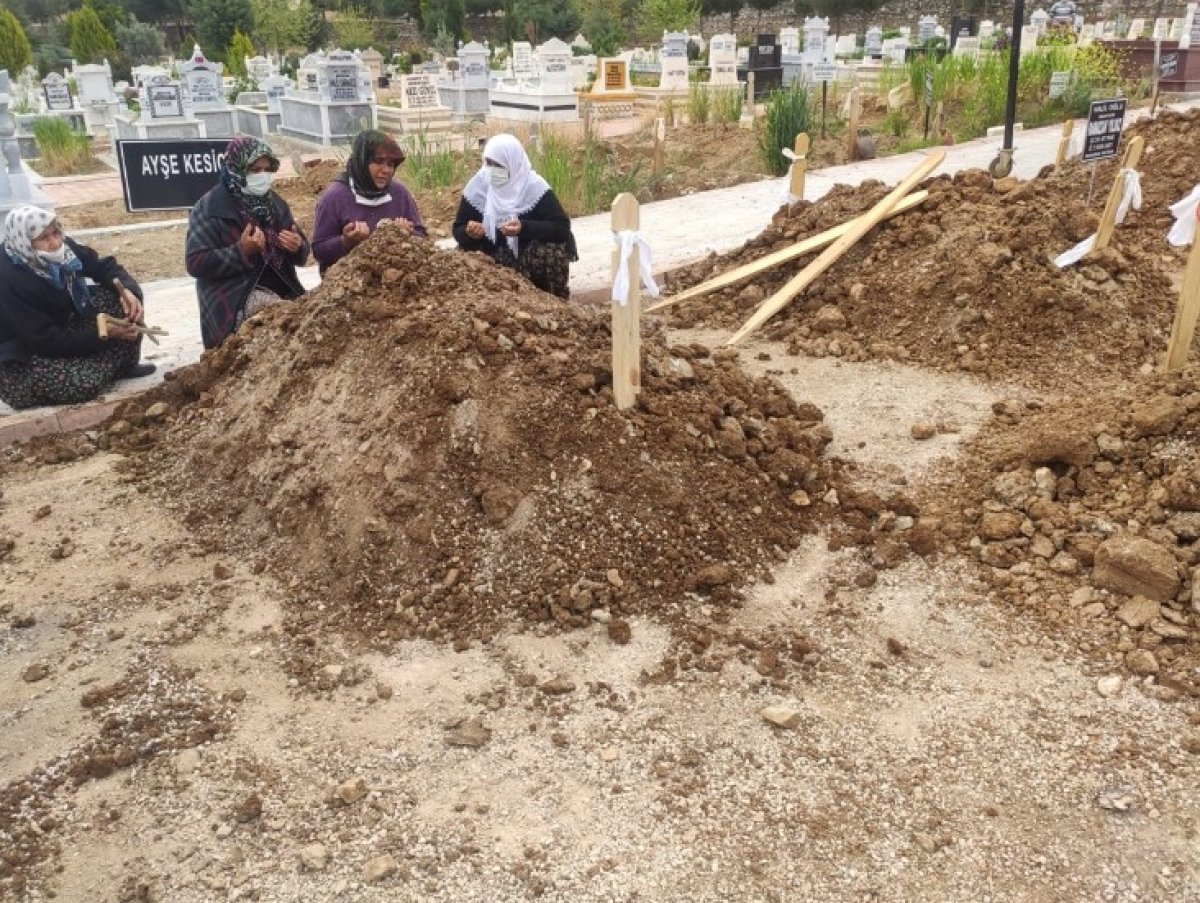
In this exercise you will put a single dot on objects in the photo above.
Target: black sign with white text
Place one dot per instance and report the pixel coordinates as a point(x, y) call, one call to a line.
point(169, 174)
point(1106, 118)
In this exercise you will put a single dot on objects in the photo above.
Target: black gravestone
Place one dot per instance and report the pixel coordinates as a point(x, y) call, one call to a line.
point(766, 62)
point(963, 25)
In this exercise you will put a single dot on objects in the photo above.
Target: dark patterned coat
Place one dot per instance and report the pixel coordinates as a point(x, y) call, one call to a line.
point(224, 275)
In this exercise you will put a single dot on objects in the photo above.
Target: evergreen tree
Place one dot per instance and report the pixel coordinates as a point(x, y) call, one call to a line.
point(235, 59)
point(90, 40)
point(217, 20)
point(15, 52)
point(139, 42)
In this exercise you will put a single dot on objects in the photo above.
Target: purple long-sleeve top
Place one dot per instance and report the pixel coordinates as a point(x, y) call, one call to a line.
point(337, 207)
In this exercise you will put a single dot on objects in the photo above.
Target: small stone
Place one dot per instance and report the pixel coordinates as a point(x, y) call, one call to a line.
point(620, 632)
point(781, 716)
point(351, 791)
point(601, 616)
point(799, 499)
point(334, 673)
point(249, 809)
point(608, 754)
point(1138, 612)
point(1141, 662)
point(380, 867)
point(712, 576)
point(923, 430)
point(314, 857)
point(22, 621)
point(1167, 630)
point(1109, 686)
point(1116, 799)
point(471, 734)
point(222, 571)
point(157, 410)
point(224, 830)
point(187, 761)
point(558, 686)
point(35, 672)
point(614, 577)
point(383, 691)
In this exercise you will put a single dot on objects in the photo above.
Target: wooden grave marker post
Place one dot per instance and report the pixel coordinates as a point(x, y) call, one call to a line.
point(1064, 143)
point(852, 125)
point(799, 167)
point(1184, 327)
point(1108, 220)
point(660, 140)
point(626, 318)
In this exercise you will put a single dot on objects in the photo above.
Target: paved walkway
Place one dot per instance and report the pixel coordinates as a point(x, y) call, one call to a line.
point(679, 231)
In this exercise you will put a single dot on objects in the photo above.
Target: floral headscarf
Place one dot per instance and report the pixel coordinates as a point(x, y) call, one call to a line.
point(240, 153)
point(21, 227)
point(357, 175)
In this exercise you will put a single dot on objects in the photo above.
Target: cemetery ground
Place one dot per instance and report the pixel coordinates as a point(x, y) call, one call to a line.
point(387, 601)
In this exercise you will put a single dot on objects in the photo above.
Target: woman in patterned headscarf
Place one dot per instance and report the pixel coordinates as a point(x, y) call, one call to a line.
point(52, 347)
point(243, 244)
point(363, 196)
point(510, 213)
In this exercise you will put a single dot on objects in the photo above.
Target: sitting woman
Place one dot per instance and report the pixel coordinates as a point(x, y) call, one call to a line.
point(53, 346)
point(243, 244)
point(362, 197)
point(509, 213)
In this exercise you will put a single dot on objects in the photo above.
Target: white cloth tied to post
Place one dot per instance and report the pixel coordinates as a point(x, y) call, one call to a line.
point(627, 241)
point(1183, 233)
point(1131, 199)
point(787, 196)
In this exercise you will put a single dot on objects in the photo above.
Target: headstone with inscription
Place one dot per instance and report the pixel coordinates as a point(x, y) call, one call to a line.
point(722, 60)
point(337, 110)
point(766, 62)
point(546, 96)
point(57, 93)
point(466, 92)
point(165, 113)
point(257, 113)
point(96, 94)
point(674, 62)
point(926, 29)
point(816, 33)
point(522, 59)
point(1040, 19)
point(612, 95)
point(201, 80)
point(789, 40)
point(873, 42)
point(16, 185)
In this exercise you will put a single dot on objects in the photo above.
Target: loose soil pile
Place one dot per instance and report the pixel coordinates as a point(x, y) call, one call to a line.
point(427, 446)
point(1087, 512)
point(967, 281)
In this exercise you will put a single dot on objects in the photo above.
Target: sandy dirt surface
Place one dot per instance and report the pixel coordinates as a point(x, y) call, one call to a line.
point(386, 600)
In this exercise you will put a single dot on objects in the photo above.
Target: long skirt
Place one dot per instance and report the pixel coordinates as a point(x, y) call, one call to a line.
point(545, 264)
point(70, 380)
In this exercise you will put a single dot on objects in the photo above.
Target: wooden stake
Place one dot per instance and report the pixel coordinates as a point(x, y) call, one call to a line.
point(1184, 327)
point(1064, 143)
point(587, 121)
point(660, 139)
point(937, 119)
point(626, 318)
point(852, 129)
point(1108, 220)
point(861, 227)
point(798, 168)
point(810, 244)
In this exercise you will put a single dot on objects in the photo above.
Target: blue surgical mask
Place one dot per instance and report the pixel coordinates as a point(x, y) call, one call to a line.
point(258, 183)
point(497, 175)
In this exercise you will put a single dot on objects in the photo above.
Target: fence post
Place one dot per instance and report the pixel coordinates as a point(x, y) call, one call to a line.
point(626, 318)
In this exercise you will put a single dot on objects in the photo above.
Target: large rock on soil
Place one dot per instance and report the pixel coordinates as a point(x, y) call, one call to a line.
point(1136, 567)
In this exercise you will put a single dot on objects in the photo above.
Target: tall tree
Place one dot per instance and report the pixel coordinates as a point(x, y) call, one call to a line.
point(235, 58)
point(602, 27)
point(15, 52)
point(139, 42)
point(539, 20)
point(217, 20)
point(280, 25)
point(90, 40)
point(443, 15)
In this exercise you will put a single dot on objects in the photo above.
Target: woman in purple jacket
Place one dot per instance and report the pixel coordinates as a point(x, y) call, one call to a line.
point(362, 197)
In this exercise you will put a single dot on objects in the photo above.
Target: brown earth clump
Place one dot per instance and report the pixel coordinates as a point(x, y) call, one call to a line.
point(966, 281)
point(427, 446)
point(1087, 511)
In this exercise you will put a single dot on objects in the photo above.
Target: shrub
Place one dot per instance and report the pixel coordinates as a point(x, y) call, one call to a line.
point(787, 116)
point(15, 52)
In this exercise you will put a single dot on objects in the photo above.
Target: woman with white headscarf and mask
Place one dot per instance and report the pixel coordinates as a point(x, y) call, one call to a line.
point(52, 347)
point(510, 213)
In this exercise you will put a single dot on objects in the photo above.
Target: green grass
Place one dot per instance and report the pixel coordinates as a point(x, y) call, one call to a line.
point(727, 105)
point(62, 150)
point(698, 104)
point(787, 116)
point(432, 166)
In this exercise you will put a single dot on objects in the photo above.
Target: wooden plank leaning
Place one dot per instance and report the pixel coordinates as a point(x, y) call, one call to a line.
point(858, 229)
point(1108, 219)
point(775, 258)
point(1188, 310)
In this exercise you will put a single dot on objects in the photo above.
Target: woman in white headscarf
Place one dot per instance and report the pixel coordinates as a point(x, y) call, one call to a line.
point(510, 213)
point(52, 347)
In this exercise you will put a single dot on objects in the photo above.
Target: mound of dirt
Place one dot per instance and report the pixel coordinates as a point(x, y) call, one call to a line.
point(967, 281)
point(426, 446)
point(1088, 511)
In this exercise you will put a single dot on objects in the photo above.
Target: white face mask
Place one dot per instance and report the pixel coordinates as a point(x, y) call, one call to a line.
point(55, 256)
point(259, 183)
point(497, 175)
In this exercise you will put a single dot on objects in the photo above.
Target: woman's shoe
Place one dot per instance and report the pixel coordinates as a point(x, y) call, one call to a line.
point(136, 371)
